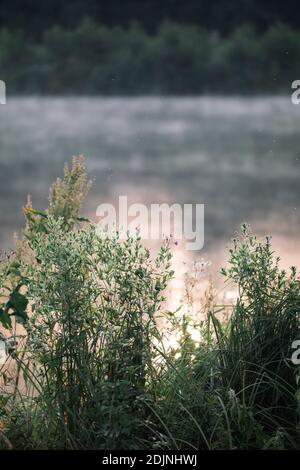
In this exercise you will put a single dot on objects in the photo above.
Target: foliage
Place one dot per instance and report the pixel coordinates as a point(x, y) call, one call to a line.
point(91, 331)
point(264, 324)
point(97, 363)
point(179, 59)
point(239, 389)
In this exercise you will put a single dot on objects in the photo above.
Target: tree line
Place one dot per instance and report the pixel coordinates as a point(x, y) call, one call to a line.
point(93, 58)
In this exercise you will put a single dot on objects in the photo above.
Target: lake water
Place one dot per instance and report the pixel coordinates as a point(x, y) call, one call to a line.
point(238, 156)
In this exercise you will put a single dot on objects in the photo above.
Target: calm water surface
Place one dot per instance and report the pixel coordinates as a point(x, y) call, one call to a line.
point(240, 157)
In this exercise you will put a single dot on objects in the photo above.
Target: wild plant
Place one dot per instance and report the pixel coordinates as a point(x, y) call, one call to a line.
point(91, 333)
point(97, 364)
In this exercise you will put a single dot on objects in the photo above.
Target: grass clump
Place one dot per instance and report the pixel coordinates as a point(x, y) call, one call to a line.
point(238, 389)
point(92, 365)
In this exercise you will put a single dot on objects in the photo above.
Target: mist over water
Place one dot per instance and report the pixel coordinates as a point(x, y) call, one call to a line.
point(238, 156)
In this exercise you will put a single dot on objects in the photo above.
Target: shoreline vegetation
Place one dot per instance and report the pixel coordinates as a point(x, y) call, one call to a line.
point(89, 365)
point(176, 60)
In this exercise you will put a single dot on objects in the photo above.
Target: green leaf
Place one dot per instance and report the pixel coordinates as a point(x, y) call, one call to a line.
point(18, 302)
point(14, 269)
point(41, 213)
point(5, 318)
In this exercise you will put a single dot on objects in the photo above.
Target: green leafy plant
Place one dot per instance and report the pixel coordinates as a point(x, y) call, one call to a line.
point(96, 361)
point(94, 301)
